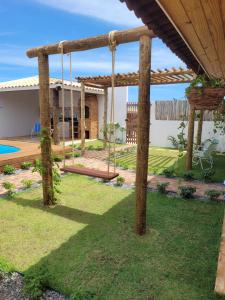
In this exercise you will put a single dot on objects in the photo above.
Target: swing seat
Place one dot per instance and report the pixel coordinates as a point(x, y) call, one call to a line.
point(90, 172)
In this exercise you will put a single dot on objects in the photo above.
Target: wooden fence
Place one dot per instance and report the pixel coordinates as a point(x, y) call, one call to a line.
point(176, 110)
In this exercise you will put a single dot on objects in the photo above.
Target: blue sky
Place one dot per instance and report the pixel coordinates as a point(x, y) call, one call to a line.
point(29, 23)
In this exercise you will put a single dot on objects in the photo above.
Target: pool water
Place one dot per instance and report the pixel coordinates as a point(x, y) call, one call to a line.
point(5, 149)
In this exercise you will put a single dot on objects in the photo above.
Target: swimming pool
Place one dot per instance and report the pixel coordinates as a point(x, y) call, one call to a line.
point(6, 149)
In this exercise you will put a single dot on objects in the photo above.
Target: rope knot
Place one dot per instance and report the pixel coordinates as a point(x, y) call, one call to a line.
point(112, 41)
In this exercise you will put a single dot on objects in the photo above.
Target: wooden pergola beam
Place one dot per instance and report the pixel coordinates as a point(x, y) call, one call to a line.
point(132, 79)
point(82, 117)
point(190, 139)
point(105, 117)
point(121, 37)
point(143, 134)
point(200, 125)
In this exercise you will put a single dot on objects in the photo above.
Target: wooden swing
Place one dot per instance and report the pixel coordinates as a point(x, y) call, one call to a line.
point(105, 175)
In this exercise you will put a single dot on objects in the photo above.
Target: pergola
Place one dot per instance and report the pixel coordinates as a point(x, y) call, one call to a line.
point(142, 79)
point(157, 77)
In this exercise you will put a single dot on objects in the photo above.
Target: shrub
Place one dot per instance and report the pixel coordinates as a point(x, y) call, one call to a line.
point(187, 192)
point(212, 194)
point(90, 147)
point(77, 154)
point(161, 187)
point(10, 187)
point(27, 183)
point(188, 175)
point(207, 175)
point(99, 148)
point(8, 170)
point(35, 282)
point(120, 181)
point(58, 158)
point(169, 172)
point(26, 165)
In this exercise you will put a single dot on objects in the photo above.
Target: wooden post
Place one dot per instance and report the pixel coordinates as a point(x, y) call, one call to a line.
point(143, 133)
point(46, 152)
point(200, 123)
point(82, 117)
point(191, 128)
point(55, 106)
point(105, 116)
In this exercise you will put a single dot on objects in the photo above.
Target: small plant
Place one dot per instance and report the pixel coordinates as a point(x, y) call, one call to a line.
point(8, 170)
point(57, 158)
point(35, 282)
point(188, 175)
point(125, 167)
point(99, 148)
point(169, 172)
point(161, 187)
point(120, 181)
point(10, 187)
point(26, 165)
point(187, 192)
point(207, 175)
point(27, 183)
point(212, 194)
point(90, 147)
point(77, 154)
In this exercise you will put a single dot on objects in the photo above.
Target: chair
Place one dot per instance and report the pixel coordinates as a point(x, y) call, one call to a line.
point(204, 154)
point(36, 129)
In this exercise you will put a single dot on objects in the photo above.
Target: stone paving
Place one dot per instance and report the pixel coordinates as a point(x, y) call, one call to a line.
point(129, 176)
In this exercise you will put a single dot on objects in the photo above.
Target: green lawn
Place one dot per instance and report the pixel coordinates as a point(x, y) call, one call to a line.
point(87, 242)
point(95, 144)
point(163, 158)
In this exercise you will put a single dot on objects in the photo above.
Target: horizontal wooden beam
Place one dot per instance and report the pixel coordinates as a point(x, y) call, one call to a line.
point(121, 37)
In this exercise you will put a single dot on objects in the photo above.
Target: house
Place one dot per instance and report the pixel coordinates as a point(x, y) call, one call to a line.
point(19, 107)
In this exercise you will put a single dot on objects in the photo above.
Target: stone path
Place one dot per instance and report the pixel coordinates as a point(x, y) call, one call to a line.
point(129, 176)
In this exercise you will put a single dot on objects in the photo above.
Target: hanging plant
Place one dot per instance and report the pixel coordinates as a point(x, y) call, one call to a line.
point(205, 93)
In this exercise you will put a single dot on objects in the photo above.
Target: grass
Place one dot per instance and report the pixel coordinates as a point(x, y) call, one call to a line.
point(163, 158)
point(159, 159)
point(87, 242)
point(96, 144)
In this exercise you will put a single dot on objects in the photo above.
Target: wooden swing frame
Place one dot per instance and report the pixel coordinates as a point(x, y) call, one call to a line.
point(144, 36)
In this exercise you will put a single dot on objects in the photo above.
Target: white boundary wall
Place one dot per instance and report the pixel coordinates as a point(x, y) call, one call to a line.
point(161, 129)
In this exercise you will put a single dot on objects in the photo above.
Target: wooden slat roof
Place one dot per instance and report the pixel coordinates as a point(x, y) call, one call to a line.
point(158, 76)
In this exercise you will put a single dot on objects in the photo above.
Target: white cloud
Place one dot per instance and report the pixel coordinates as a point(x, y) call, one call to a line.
point(112, 11)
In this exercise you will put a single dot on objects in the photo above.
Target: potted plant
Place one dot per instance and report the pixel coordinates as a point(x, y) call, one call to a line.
point(205, 93)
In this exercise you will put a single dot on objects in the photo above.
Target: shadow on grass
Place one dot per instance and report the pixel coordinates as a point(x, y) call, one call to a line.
point(176, 259)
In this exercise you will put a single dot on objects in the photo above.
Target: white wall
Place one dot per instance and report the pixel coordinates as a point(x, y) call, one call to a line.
point(121, 98)
point(161, 129)
point(19, 111)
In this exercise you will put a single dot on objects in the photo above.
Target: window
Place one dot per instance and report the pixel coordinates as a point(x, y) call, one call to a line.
point(86, 112)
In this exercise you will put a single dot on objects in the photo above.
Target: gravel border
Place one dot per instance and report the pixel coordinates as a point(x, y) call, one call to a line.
point(11, 286)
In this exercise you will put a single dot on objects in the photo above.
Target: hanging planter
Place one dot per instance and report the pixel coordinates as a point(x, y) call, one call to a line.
point(204, 93)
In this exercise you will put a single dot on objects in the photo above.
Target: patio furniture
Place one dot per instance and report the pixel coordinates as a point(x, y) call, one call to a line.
point(204, 154)
point(36, 129)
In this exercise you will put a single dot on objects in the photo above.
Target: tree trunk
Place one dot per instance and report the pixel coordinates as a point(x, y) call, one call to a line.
point(191, 127)
point(82, 117)
point(143, 134)
point(200, 123)
point(105, 116)
point(46, 152)
point(55, 105)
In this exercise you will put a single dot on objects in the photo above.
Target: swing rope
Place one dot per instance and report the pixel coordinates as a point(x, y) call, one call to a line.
point(112, 47)
point(63, 103)
point(71, 105)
